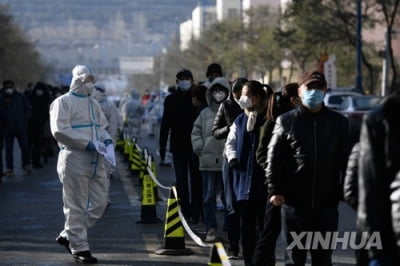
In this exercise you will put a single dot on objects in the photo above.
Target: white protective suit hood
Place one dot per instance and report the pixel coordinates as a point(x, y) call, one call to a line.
point(135, 94)
point(100, 92)
point(82, 80)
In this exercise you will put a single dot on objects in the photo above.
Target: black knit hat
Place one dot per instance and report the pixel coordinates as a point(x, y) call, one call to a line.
point(8, 82)
point(185, 73)
point(214, 68)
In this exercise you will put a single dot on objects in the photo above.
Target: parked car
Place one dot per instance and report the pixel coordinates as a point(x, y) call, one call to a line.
point(334, 97)
point(354, 107)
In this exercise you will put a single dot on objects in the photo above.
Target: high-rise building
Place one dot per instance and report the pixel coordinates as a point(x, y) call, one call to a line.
point(227, 9)
point(202, 17)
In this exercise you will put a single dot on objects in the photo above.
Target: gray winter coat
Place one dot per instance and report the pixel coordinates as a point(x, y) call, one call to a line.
point(205, 145)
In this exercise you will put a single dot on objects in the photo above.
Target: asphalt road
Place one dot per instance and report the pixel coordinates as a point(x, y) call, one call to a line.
point(31, 218)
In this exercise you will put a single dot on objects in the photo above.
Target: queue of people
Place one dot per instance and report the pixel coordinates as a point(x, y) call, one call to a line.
point(281, 166)
point(24, 116)
point(280, 160)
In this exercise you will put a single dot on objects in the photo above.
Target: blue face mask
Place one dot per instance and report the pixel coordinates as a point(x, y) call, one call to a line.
point(313, 98)
point(184, 84)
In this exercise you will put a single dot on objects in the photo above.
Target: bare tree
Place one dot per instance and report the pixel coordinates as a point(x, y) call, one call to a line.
point(389, 10)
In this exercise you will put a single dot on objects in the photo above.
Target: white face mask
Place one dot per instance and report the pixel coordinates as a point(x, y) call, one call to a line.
point(245, 102)
point(184, 84)
point(89, 87)
point(219, 96)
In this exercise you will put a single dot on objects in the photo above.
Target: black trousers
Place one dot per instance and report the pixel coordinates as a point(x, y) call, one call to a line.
point(264, 253)
point(251, 225)
point(196, 191)
point(1, 152)
point(300, 220)
point(184, 169)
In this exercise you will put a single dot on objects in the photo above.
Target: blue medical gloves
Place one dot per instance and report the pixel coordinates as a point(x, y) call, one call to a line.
point(108, 142)
point(90, 146)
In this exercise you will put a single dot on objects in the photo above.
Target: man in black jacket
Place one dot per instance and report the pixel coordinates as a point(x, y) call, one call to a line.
point(177, 123)
point(379, 180)
point(306, 161)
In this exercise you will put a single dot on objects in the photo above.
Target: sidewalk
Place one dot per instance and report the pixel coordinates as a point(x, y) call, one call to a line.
point(31, 218)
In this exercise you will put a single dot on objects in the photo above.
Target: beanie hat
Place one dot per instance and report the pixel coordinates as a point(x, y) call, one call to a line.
point(184, 73)
point(214, 68)
point(8, 82)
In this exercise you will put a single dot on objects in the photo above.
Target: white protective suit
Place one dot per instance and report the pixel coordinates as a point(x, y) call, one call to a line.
point(75, 120)
point(111, 111)
point(132, 114)
point(112, 114)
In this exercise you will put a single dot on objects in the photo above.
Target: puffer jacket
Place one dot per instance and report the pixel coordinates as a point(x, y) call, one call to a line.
point(379, 200)
point(205, 145)
point(307, 157)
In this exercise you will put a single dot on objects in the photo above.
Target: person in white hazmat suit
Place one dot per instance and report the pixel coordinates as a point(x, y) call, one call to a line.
point(110, 110)
point(114, 119)
point(132, 114)
point(79, 126)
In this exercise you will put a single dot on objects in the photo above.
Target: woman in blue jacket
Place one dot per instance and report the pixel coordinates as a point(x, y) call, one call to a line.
point(248, 176)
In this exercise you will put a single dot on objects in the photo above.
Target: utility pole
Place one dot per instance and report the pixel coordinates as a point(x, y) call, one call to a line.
point(359, 49)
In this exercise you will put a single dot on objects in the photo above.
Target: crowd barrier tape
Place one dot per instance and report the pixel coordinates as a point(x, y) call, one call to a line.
point(152, 175)
point(186, 226)
point(174, 234)
point(192, 235)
